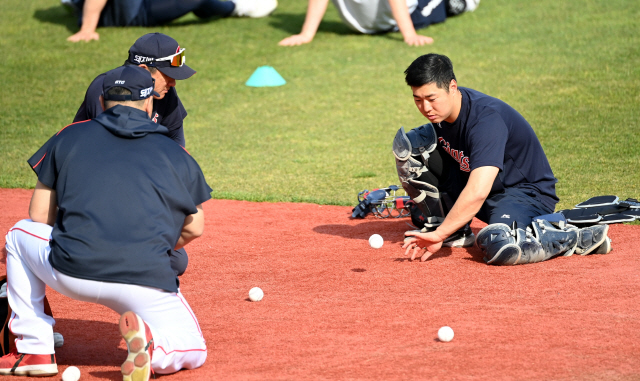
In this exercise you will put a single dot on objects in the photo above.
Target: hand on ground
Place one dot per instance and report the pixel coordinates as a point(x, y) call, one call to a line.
point(84, 36)
point(295, 40)
point(418, 40)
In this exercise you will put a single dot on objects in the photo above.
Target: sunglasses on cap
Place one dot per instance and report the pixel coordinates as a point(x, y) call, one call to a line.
point(175, 60)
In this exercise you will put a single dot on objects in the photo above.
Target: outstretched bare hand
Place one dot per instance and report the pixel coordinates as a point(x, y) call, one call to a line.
point(418, 40)
point(423, 244)
point(84, 36)
point(295, 40)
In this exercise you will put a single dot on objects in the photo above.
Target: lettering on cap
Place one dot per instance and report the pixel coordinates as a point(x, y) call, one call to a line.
point(142, 59)
point(144, 93)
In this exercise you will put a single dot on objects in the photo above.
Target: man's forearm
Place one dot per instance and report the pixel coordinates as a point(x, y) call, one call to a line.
point(91, 14)
point(193, 228)
point(465, 208)
point(401, 15)
point(315, 13)
point(43, 207)
point(470, 201)
point(184, 240)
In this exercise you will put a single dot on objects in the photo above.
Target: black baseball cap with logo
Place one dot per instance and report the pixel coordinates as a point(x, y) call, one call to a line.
point(133, 78)
point(162, 52)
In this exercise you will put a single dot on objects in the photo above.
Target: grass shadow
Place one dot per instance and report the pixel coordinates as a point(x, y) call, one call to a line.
point(57, 15)
point(292, 24)
point(61, 16)
point(190, 19)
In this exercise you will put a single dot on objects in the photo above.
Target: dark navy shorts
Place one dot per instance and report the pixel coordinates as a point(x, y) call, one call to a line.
point(514, 204)
point(429, 12)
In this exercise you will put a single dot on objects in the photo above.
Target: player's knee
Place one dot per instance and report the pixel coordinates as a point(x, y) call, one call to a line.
point(506, 217)
point(498, 243)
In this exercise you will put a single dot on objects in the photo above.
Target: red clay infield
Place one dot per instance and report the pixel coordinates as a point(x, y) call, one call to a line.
point(336, 309)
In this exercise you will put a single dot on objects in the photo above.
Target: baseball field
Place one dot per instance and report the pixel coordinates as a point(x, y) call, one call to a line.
point(286, 164)
point(336, 309)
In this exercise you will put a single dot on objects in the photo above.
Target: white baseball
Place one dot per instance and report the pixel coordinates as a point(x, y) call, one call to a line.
point(445, 334)
point(376, 241)
point(72, 373)
point(256, 294)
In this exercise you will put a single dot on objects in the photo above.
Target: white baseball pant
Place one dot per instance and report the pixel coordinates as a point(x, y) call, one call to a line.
point(177, 340)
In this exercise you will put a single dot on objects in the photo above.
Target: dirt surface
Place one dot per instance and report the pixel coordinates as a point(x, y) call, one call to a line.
point(336, 309)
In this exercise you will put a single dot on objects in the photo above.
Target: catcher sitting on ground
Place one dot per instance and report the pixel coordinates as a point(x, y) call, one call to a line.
point(480, 158)
point(114, 196)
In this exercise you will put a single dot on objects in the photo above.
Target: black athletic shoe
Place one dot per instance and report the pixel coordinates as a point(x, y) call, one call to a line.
point(455, 7)
point(462, 238)
point(605, 248)
point(591, 238)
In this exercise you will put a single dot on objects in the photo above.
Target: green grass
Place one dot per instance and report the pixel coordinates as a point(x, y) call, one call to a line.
point(571, 68)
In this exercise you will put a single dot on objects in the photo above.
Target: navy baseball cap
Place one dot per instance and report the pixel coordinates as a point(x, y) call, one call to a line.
point(133, 78)
point(162, 52)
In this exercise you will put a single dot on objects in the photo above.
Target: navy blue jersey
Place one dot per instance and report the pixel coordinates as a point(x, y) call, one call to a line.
point(123, 191)
point(489, 132)
point(167, 111)
point(119, 13)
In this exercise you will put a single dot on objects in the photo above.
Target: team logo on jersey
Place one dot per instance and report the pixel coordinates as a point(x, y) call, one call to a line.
point(155, 118)
point(456, 155)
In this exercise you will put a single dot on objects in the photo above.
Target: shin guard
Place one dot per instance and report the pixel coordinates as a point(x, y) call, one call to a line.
point(555, 241)
point(504, 245)
point(500, 244)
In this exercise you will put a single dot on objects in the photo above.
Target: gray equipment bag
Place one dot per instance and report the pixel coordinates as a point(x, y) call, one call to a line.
point(603, 210)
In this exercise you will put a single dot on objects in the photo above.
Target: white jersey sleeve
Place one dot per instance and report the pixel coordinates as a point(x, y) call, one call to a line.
point(369, 16)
